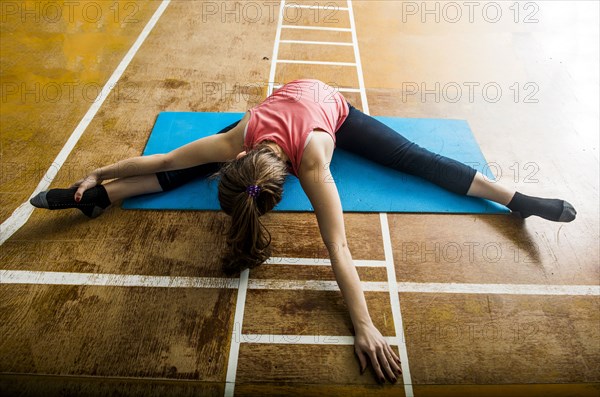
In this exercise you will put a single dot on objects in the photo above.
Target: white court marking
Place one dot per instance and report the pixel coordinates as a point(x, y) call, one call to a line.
point(133, 280)
point(304, 339)
point(238, 321)
point(20, 215)
point(361, 80)
point(321, 262)
point(340, 89)
point(395, 303)
point(325, 8)
point(340, 43)
point(385, 230)
point(330, 63)
point(234, 347)
point(316, 28)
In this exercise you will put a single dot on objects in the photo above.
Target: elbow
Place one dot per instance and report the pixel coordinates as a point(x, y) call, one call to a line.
point(164, 162)
point(337, 248)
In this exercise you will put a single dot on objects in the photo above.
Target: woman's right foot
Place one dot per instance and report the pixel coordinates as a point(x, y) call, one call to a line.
point(93, 202)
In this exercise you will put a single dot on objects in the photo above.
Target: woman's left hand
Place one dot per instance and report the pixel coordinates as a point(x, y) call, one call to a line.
point(369, 342)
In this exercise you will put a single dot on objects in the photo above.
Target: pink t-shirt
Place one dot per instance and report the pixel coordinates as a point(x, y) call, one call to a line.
point(291, 113)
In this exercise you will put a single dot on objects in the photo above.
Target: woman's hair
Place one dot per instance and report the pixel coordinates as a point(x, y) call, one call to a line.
point(248, 240)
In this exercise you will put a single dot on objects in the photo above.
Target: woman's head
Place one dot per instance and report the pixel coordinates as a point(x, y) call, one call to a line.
point(249, 187)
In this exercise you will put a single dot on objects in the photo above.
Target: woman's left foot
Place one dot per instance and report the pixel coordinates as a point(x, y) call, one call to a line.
point(551, 209)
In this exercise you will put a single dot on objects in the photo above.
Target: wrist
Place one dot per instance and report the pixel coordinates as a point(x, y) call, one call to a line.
point(363, 324)
point(97, 173)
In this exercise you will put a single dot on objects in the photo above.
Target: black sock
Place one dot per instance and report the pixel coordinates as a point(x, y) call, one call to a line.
point(551, 209)
point(92, 203)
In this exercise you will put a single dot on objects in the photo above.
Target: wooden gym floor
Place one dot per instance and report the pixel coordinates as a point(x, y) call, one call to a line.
point(134, 302)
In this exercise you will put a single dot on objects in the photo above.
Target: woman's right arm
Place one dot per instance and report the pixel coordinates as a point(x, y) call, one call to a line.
point(133, 166)
point(213, 148)
point(210, 149)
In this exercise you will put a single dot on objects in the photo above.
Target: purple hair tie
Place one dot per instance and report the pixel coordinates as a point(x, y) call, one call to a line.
point(253, 190)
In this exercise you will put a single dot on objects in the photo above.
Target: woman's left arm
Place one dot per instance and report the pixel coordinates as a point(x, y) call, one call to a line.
point(322, 192)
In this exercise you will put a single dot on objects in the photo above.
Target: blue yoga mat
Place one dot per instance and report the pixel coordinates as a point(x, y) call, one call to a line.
point(363, 185)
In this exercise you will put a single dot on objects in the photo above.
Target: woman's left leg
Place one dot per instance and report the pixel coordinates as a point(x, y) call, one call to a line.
point(364, 135)
point(369, 138)
point(491, 190)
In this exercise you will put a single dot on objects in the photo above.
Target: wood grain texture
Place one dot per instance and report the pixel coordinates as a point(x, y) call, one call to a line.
point(553, 390)
point(501, 339)
point(321, 365)
point(302, 272)
point(57, 386)
point(316, 35)
point(316, 390)
point(54, 63)
point(316, 52)
point(116, 332)
point(310, 313)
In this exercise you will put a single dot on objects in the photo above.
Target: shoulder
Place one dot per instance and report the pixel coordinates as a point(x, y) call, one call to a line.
point(318, 152)
point(236, 134)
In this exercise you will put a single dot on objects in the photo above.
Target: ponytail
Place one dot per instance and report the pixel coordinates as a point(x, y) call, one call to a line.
point(249, 187)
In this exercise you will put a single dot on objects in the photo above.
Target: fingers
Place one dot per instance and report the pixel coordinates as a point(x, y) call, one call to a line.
point(376, 366)
point(79, 193)
point(385, 362)
point(362, 359)
point(84, 184)
point(383, 358)
point(394, 359)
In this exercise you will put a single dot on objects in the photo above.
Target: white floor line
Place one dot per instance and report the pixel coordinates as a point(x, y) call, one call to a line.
point(313, 285)
point(396, 309)
point(304, 339)
point(326, 8)
point(113, 280)
point(500, 289)
point(126, 280)
point(321, 262)
point(129, 280)
point(315, 28)
point(316, 62)
point(20, 215)
point(340, 43)
point(361, 81)
point(238, 321)
point(275, 49)
point(350, 90)
point(387, 244)
point(340, 89)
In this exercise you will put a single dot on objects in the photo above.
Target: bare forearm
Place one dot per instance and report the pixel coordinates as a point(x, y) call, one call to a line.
point(133, 166)
point(349, 283)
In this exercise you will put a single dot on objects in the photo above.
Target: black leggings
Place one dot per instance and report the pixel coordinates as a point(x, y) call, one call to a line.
point(367, 137)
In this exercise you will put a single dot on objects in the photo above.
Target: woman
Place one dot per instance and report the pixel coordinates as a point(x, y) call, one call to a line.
point(295, 130)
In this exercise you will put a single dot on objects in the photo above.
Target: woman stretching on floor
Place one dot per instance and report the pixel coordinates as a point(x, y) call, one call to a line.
point(295, 130)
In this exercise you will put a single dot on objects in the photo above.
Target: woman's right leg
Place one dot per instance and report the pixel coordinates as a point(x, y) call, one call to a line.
point(169, 180)
point(122, 188)
point(98, 198)
point(161, 181)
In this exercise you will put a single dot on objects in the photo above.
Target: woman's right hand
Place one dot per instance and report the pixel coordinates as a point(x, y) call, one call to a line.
point(86, 183)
